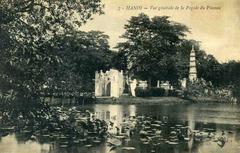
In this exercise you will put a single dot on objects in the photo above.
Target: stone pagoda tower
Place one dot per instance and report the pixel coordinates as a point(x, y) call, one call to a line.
point(192, 66)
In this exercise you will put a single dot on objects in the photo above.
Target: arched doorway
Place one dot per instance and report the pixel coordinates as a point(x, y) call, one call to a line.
point(108, 89)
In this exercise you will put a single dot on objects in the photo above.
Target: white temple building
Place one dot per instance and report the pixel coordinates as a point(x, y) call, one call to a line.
point(109, 84)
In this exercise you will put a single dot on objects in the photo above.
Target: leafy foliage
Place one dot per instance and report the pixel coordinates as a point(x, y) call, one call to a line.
point(231, 77)
point(81, 54)
point(150, 92)
point(151, 47)
point(27, 50)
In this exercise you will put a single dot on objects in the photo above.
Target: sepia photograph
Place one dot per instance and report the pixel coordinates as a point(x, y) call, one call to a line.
point(119, 76)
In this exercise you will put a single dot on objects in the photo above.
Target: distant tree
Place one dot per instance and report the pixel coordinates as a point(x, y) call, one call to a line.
point(119, 60)
point(81, 54)
point(230, 77)
point(151, 46)
point(210, 69)
point(231, 72)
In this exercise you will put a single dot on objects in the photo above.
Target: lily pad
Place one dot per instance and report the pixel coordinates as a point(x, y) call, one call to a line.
point(88, 145)
point(128, 148)
point(172, 143)
point(63, 146)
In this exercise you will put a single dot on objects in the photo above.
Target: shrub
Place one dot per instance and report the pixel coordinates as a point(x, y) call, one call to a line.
point(140, 92)
point(173, 93)
point(149, 92)
point(156, 92)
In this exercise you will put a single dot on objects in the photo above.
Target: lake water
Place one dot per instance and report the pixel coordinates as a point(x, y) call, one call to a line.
point(222, 120)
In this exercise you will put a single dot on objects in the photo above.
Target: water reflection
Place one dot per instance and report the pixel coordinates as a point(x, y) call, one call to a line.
point(156, 128)
point(115, 114)
point(10, 144)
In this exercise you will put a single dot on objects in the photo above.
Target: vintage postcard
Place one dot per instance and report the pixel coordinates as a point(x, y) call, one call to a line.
point(119, 76)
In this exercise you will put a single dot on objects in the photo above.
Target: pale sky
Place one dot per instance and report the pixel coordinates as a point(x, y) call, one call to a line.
point(218, 30)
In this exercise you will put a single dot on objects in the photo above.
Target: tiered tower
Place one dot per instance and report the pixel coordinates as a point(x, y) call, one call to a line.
point(192, 66)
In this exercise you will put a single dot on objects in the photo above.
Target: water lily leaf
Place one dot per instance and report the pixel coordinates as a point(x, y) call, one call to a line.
point(89, 145)
point(128, 148)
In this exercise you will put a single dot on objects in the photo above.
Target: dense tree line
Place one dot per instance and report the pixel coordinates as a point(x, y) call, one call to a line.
point(30, 31)
point(230, 76)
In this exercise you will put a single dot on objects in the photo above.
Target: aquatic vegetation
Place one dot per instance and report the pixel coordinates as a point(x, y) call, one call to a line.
point(62, 125)
point(66, 127)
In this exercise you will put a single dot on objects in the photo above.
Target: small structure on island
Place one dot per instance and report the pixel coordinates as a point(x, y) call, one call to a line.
point(164, 84)
point(137, 83)
point(133, 86)
point(183, 83)
point(142, 84)
point(192, 66)
point(110, 83)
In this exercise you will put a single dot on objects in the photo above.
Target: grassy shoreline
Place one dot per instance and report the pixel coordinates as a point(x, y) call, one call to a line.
point(140, 100)
point(159, 100)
